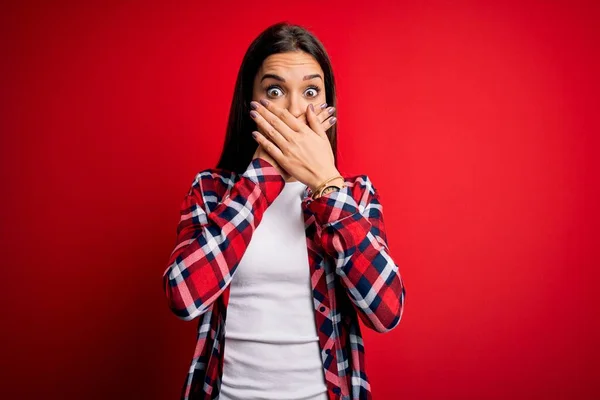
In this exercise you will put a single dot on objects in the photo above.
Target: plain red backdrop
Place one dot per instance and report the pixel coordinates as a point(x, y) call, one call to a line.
point(476, 121)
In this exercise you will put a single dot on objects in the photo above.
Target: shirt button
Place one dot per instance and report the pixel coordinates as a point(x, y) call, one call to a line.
point(328, 351)
point(322, 308)
point(336, 390)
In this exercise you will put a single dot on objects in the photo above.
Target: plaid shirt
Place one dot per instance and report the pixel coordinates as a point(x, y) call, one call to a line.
point(352, 273)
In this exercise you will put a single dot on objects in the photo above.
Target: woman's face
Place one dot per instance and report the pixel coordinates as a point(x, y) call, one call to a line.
point(290, 80)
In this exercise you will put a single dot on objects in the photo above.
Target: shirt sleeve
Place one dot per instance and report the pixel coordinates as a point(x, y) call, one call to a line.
point(352, 231)
point(210, 244)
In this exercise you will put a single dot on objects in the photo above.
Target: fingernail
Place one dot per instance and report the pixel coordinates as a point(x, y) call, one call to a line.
point(331, 110)
point(253, 114)
point(323, 105)
point(333, 120)
point(254, 134)
point(311, 107)
point(264, 102)
point(253, 105)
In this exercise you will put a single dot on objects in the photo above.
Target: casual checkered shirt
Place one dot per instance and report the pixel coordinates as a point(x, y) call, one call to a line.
point(352, 273)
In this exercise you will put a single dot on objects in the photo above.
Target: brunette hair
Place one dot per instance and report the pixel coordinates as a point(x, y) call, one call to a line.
point(239, 146)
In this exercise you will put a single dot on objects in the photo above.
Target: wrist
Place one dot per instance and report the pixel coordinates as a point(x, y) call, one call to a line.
point(333, 178)
point(328, 186)
point(327, 190)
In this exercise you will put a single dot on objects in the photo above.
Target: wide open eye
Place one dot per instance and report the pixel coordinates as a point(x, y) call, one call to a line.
point(313, 89)
point(274, 91)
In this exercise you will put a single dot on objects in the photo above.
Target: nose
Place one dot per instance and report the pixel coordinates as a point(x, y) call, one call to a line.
point(297, 105)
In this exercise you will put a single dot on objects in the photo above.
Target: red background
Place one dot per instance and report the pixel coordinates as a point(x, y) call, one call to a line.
point(476, 121)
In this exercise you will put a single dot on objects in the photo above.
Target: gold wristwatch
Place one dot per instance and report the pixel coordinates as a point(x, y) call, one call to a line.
point(329, 189)
point(324, 187)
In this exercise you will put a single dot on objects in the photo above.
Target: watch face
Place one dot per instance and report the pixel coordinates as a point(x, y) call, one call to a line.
point(331, 189)
point(326, 190)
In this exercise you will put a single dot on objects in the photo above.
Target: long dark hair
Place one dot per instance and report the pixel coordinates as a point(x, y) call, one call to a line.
point(281, 37)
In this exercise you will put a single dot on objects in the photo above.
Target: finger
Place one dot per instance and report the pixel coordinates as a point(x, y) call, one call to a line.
point(329, 122)
point(302, 118)
point(280, 118)
point(318, 110)
point(327, 113)
point(313, 121)
point(262, 132)
point(323, 114)
point(269, 146)
point(273, 133)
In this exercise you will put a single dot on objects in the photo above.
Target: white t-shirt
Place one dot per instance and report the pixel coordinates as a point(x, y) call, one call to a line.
point(271, 346)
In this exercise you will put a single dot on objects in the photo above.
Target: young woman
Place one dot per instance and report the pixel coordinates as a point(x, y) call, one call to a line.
point(278, 244)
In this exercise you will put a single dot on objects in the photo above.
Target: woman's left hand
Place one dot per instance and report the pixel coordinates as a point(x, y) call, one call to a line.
point(302, 150)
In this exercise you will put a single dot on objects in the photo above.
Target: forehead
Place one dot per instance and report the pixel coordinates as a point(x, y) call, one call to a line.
point(290, 65)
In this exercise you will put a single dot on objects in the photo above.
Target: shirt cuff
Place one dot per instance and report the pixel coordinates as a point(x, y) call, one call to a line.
point(333, 206)
point(342, 225)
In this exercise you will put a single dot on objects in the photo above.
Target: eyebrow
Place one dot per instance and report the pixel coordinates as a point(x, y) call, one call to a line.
point(277, 77)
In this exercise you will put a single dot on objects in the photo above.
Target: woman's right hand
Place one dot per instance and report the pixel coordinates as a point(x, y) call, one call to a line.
point(323, 115)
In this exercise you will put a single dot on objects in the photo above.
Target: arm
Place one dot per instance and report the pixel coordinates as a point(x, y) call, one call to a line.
point(354, 235)
point(210, 245)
